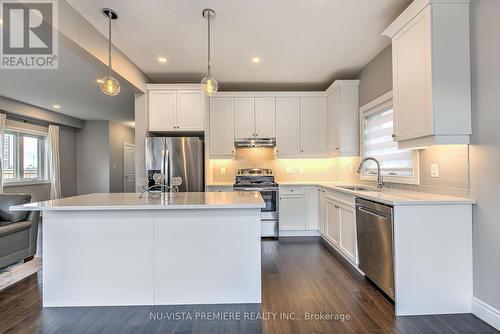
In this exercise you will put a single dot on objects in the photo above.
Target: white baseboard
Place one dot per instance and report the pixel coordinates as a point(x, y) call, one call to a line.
point(284, 233)
point(486, 312)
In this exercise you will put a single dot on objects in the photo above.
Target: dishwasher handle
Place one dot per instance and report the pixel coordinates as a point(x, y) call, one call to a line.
point(372, 212)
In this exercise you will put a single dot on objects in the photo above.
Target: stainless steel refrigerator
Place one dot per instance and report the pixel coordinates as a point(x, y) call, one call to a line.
point(177, 157)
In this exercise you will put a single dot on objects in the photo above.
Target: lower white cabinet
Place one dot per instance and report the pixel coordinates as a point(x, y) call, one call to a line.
point(292, 211)
point(338, 222)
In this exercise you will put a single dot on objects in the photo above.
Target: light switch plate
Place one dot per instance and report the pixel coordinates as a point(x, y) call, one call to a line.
point(435, 170)
point(289, 170)
point(301, 170)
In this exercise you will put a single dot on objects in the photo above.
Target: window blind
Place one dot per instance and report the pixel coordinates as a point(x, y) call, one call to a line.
point(378, 143)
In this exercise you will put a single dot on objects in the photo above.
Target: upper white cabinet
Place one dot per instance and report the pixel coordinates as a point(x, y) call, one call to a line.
point(343, 119)
point(254, 117)
point(431, 73)
point(176, 108)
point(301, 127)
point(288, 126)
point(221, 127)
point(313, 126)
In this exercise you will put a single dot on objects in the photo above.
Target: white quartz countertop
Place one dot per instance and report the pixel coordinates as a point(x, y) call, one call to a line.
point(387, 195)
point(168, 201)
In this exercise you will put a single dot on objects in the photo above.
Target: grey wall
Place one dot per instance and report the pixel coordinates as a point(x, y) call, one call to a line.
point(119, 134)
point(141, 131)
point(92, 158)
point(376, 77)
point(485, 150)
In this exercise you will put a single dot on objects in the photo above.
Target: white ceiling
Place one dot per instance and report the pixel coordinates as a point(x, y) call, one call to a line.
point(73, 86)
point(303, 44)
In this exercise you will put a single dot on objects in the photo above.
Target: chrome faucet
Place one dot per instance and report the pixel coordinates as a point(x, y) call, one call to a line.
point(148, 190)
point(380, 181)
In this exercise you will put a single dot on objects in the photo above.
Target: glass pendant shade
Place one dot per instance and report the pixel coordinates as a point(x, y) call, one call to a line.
point(209, 85)
point(109, 86)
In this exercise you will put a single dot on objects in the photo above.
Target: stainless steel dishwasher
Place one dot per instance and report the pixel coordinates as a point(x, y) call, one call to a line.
point(374, 228)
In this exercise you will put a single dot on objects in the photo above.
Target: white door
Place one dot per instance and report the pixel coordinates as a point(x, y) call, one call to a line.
point(221, 126)
point(128, 168)
point(288, 126)
point(313, 122)
point(292, 212)
point(348, 231)
point(244, 118)
point(265, 117)
point(162, 110)
point(190, 114)
point(412, 82)
point(332, 221)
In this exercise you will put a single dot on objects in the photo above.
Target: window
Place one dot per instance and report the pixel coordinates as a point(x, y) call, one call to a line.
point(398, 166)
point(24, 157)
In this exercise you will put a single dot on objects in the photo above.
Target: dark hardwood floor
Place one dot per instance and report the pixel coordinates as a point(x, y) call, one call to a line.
point(300, 277)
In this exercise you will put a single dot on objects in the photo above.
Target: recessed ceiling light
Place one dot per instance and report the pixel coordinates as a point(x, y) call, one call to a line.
point(162, 59)
point(56, 106)
point(256, 60)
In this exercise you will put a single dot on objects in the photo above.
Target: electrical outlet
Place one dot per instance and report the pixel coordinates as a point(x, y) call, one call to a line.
point(289, 170)
point(301, 170)
point(435, 170)
point(223, 171)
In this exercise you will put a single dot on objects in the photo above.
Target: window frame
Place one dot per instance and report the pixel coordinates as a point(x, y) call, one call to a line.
point(18, 165)
point(380, 104)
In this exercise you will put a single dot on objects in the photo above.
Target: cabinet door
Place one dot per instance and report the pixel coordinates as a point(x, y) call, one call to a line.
point(334, 122)
point(190, 112)
point(313, 130)
point(221, 127)
point(412, 81)
point(244, 118)
point(288, 126)
point(162, 106)
point(265, 117)
point(348, 232)
point(311, 209)
point(332, 221)
point(292, 212)
point(321, 211)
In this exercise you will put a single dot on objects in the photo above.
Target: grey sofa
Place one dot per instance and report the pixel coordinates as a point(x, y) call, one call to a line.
point(18, 230)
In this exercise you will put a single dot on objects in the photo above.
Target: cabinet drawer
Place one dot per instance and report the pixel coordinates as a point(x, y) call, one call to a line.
point(292, 190)
point(342, 198)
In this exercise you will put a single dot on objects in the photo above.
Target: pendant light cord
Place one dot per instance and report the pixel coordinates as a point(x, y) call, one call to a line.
point(109, 42)
point(209, 17)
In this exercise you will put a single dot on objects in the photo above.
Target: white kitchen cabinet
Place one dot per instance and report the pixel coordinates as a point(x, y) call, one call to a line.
point(190, 111)
point(162, 110)
point(292, 212)
point(288, 126)
point(343, 119)
point(265, 117)
point(347, 228)
point(219, 188)
point(254, 117)
point(322, 211)
point(244, 117)
point(313, 126)
point(332, 220)
point(312, 209)
point(175, 108)
point(221, 127)
point(431, 74)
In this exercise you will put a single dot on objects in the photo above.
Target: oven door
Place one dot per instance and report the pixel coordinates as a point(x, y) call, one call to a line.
point(270, 197)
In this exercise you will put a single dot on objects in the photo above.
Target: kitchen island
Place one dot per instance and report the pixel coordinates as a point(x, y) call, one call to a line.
point(118, 249)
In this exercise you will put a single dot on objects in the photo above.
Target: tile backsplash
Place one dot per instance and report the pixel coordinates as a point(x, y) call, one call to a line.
point(452, 162)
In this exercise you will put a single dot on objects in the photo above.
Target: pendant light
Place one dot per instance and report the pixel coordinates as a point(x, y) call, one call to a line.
point(208, 83)
point(109, 85)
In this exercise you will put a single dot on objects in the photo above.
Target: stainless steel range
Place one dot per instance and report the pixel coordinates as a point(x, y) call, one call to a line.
point(262, 180)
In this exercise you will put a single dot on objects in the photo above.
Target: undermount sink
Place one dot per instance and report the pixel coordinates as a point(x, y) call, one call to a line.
point(358, 188)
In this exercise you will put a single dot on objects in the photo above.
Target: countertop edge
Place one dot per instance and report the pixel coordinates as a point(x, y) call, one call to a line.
point(137, 207)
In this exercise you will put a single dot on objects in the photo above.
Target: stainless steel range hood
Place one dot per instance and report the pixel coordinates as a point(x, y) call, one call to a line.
point(255, 142)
